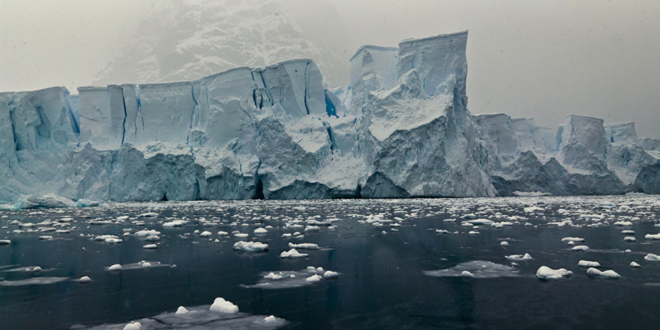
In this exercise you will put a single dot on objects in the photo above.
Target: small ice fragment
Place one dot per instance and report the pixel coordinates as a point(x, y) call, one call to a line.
point(473, 232)
point(250, 246)
point(260, 231)
point(223, 233)
point(652, 257)
point(552, 274)
point(145, 264)
point(580, 248)
point(607, 273)
point(240, 235)
point(115, 267)
point(330, 274)
point(150, 246)
point(205, 234)
point(314, 278)
point(627, 251)
point(519, 257)
point(46, 238)
point(629, 239)
point(133, 326)
point(304, 246)
point(224, 306)
point(572, 239)
point(634, 264)
point(152, 238)
point(273, 276)
point(504, 243)
point(465, 273)
point(181, 310)
point(586, 263)
point(85, 279)
point(293, 253)
point(5, 242)
point(652, 236)
point(270, 319)
point(37, 269)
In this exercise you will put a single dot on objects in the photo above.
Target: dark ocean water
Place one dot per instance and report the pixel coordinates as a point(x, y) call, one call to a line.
point(382, 282)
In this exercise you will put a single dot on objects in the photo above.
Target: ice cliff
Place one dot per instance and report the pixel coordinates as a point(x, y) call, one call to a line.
point(399, 128)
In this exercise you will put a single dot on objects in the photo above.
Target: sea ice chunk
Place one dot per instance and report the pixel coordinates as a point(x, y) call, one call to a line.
point(585, 263)
point(545, 272)
point(250, 246)
point(293, 253)
point(223, 306)
point(607, 273)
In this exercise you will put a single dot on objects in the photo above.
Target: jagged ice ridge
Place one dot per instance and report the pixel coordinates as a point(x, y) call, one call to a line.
point(400, 128)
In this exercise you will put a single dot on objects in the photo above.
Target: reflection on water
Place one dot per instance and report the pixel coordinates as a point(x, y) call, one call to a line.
point(398, 263)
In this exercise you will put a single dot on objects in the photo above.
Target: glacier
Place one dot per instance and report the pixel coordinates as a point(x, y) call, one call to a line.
point(399, 128)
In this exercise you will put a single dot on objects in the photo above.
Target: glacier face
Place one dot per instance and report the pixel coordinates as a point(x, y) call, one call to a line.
point(399, 128)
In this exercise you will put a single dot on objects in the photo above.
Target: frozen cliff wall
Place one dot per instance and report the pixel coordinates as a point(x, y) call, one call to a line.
point(400, 128)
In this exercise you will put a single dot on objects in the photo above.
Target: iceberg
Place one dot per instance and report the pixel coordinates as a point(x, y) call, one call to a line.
point(399, 128)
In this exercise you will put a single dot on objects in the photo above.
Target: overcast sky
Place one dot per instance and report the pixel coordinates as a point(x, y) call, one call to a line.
point(542, 59)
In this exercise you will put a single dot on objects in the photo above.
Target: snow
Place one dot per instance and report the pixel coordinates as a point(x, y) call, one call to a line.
point(223, 306)
point(250, 246)
point(548, 273)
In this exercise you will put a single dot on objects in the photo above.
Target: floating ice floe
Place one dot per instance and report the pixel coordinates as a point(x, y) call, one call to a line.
point(175, 223)
point(114, 267)
point(200, 317)
point(548, 273)
point(572, 239)
point(250, 246)
point(607, 273)
point(293, 253)
point(133, 326)
point(623, 223)
point(181, 310)
point(652, 236)
point(304, 246)
point(240, 235)
point(586, 263)
point(580, 248)
point(478, 268)
point(147, 232)
point(519, 257)
point(34, 281)
point(85, 279)
point(150, 246)
point(630, 239)
point(205, 234)
point(634, 264)
point(652, 257)
point(628, 232)
point(293, 279)
point(5, 242)
point(223, 306)
point(260, 231)
point(504, 243)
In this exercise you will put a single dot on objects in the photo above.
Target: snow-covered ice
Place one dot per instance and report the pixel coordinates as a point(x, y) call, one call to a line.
point(548, 273)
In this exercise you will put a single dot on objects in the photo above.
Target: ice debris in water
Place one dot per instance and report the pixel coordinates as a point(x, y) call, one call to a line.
point(304, 246)
point(223, 306)
point(548, 273)
point(634, 264)
point(115, 267)
point(293, 279)
point(504, 243)
point(133, 326)
point(585, 263)
point(478, 268)
point(580, 248)
point(5, 242)
point(260, 231)
point(652, 257)
point(652, 236)
point(250, 246)
point(85, 279)
point(293, 253)
point(314, 278)
point(181, 310)
point(572, 239)
point(607, 273)
point(150, 246)
point(519, 257)
point(205, 234)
